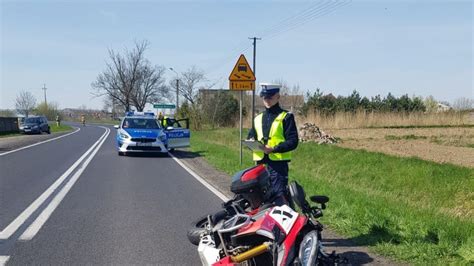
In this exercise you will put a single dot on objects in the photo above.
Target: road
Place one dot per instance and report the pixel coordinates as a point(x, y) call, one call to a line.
point(73, 200)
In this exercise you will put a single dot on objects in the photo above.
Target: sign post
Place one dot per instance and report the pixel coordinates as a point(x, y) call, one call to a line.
point(241, 79)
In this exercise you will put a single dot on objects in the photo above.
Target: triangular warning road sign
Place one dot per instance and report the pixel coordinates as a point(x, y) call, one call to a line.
point(242, 71)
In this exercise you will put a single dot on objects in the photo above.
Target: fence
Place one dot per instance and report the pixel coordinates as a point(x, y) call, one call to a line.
point(8, 124)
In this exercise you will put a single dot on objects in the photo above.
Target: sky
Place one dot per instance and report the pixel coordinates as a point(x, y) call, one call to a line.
point(418, 48)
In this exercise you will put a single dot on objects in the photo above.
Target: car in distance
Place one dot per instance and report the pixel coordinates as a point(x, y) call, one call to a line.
point(35, 125)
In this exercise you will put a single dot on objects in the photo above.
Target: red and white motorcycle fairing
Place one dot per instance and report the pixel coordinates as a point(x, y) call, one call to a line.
point(281, 216)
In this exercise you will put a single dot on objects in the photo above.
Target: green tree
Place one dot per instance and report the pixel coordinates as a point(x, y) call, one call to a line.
point(222, 109)
point(431, 104)
point(49, 110)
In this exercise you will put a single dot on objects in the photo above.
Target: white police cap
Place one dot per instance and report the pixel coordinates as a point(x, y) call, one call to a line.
point(269, 89)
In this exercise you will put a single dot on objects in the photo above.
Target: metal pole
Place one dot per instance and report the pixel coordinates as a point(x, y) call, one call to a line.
point(240, 142)
point(254, 72)
point(177, 97)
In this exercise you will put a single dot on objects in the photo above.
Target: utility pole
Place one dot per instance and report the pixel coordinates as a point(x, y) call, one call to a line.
point(177, 91)
point(254, 71)
point(44, 89)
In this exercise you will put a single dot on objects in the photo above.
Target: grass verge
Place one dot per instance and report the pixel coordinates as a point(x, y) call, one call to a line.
point(405, 208)
point(8, 134)
point(61, 128)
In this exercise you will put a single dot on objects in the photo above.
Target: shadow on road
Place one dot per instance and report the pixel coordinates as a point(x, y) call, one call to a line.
point(356, 258)
point(147, 154)
point(349, 250)
point(187, 154)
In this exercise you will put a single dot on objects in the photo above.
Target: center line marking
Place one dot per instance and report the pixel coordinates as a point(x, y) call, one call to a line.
point(46, 213)
point(15, 224)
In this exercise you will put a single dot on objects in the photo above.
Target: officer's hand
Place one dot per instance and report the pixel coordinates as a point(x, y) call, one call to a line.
point(267, 149)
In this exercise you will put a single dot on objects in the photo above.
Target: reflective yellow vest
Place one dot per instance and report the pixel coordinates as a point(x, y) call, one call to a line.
point(165, 121)
point(275, 137)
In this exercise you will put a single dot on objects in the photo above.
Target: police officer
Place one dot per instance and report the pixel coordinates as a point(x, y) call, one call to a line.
point(276, 129)
point(163, 120)
point(83, 120)
point(58, 120)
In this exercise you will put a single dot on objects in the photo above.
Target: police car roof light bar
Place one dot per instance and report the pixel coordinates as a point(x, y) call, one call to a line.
point(133, 113)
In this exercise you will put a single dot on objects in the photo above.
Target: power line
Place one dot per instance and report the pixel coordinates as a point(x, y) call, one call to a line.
point(315, 11)
point(293, 18)
point(312, 16)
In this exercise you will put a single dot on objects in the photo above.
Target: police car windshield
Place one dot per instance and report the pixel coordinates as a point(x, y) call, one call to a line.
point(140, 123)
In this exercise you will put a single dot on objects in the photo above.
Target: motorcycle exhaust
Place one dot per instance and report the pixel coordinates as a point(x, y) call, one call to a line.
point(254, 252)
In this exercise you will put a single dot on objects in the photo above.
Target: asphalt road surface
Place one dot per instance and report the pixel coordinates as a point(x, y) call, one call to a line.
point(73, 200)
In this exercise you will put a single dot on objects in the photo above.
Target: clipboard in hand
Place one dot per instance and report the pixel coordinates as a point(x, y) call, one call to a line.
point(253, 145)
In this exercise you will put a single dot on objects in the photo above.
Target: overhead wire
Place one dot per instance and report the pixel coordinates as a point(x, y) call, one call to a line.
point(247, 46)
point(282, 23)
point(307, 18)
point(298, 19)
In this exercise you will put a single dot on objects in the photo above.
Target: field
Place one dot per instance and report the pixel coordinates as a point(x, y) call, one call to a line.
point(363, 119)
point(439, 137)
point(453, 145)
point(408, 209)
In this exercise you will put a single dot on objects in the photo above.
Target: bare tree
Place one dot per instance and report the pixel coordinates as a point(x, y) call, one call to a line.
point(463, 103)
point(190, 82)
point(150, 86)
point(285, 88)
point(25, 103)
point(130, 79)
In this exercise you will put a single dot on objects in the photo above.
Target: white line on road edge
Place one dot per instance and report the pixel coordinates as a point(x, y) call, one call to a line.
point(3, 260)
point(46, 213)
point(13, 226)
point(41, 142)
point(200, 179)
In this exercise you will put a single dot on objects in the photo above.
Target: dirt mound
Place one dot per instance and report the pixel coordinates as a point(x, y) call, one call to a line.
point(310, 132)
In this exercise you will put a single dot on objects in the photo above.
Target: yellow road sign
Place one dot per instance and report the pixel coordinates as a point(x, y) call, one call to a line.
point(242, 85)
point(242, 78)
point(242, 71)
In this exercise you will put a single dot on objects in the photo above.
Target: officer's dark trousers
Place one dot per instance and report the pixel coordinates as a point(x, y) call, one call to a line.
point(279, 180)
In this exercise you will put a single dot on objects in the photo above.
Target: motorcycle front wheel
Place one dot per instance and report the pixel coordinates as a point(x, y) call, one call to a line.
point(309, 249)
point(199, 226)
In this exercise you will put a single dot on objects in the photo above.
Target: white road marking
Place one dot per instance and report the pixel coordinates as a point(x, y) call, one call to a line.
point(15, 224)
point(33, 229)
point(3, 260)
point(41, 142)
point(200, 179)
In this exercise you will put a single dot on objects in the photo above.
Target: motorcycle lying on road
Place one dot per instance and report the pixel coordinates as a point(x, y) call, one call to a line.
point(250, 230)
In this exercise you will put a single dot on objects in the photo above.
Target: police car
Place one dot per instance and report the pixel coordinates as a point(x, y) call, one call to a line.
point(142, 132)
